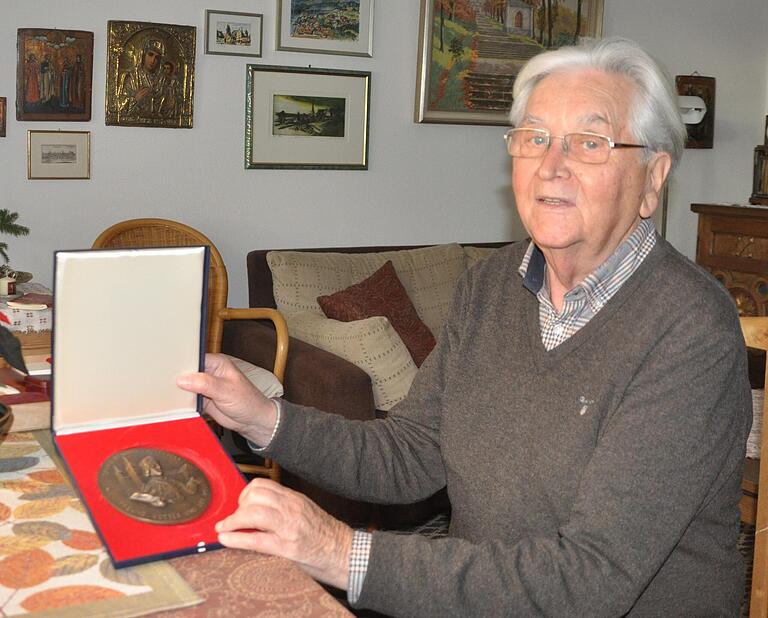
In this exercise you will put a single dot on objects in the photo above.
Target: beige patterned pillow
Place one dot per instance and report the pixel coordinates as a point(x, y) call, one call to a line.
point(429, 275)
point(371, 344)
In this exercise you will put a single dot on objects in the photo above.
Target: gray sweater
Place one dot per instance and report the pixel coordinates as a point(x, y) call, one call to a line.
point(600, 478)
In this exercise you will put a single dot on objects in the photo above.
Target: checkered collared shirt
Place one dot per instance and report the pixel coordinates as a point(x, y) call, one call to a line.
point(582, 302)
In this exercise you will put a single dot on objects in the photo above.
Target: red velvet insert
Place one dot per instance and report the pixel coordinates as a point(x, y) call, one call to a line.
point(128, 540)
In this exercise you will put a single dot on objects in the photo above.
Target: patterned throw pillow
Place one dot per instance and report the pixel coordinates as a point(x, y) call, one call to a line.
point(382, 294)
point(371, 344)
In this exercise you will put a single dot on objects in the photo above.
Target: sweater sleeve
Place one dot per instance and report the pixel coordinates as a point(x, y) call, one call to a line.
point(670, 452)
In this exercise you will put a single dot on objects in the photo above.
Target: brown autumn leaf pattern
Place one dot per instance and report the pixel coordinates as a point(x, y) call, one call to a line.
point(130, 577)
point(18, 437)
point(39, 509)
point(21, 485)
point(77, 505)
point(52, 477)
point(15, 544)
point(83, 540)
point(48, 529)
point(19, 450)
point(65, 596)
point(74, 563)
point(25, 569)
point(48, 491)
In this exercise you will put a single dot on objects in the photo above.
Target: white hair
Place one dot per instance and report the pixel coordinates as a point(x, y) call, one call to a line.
point(654, 118)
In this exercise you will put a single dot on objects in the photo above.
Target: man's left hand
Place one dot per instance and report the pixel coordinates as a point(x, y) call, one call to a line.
point(275, 520)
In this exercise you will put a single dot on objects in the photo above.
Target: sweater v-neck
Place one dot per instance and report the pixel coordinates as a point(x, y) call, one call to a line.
point(545, 359)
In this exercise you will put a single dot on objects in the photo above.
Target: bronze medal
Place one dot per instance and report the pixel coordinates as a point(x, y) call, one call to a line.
point(155, 486)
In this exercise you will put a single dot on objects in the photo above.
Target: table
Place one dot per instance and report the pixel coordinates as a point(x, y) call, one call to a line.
point(242, 583)
point(231, 582)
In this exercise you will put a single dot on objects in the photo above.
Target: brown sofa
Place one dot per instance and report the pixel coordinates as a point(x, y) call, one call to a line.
point(323, 380)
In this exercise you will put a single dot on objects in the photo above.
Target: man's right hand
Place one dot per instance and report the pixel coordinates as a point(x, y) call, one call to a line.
point(231, 400)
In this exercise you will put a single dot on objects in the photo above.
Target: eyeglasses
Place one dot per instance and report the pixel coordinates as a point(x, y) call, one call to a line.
point(585, 147)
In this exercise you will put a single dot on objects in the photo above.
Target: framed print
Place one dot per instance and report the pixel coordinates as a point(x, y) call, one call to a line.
point(233, 34)
point(297, 118)
point(3, 112)
point(58, 155)
point(325, 26)
point(471, 52)
point(701, 134)
point(150, 74)
point(54, 73)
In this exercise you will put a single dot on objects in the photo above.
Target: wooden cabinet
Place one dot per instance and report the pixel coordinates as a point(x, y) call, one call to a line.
point(733, 245)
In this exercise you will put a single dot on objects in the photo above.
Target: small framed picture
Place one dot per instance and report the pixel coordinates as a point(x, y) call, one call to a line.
point(58, 155)
point(228, 33)
point(297, 118)
point(325, 26)
point(3, 114)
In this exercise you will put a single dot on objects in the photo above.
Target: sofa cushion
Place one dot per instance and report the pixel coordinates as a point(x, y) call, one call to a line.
point(371, 344)
point(428, 274)
point(382, 294)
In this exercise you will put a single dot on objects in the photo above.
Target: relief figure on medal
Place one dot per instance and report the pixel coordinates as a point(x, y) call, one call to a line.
point(154, 485)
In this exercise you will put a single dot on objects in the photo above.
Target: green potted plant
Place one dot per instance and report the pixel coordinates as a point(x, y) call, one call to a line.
point(10, 347)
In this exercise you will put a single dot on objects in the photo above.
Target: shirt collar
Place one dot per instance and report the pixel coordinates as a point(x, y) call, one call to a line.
point(533, 265)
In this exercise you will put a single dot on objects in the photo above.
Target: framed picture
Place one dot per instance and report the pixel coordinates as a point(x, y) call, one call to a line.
point(58, 155)
point(54, 72)
point(325, 26)
point(150, 74)
point(3, 113)
point(700, 135)
point(471, 52)
point(233, 34)
point(297, 118)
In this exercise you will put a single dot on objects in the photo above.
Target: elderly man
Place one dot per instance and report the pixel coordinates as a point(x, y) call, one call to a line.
point(587, 403)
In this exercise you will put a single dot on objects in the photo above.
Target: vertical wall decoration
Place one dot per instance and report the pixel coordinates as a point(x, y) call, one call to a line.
point(700, 134)
point(54, 72)
point(150, 74)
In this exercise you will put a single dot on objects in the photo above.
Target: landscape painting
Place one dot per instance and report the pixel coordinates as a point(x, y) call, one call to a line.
point(471, 51)
point(326, 26)
point(308, 116)
point(326, 19)
point(233, 33)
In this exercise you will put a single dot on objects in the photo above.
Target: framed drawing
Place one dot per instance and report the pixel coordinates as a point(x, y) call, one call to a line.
point(58, 155)
point(297, 118)
point(54, 72)
point(150, 74)
point(233, 34)
point(700, 135)
point(325, 26)
point(470, 52)
point(3, 112)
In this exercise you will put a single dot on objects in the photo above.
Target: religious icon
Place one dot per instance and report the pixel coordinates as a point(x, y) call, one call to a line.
point(54, 74)
point(150, 74)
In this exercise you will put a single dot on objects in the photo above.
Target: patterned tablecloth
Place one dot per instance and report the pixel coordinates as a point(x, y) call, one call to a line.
point(24, 320)
point(52, 563)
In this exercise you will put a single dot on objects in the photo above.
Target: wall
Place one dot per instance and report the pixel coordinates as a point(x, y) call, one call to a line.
point(425, 183)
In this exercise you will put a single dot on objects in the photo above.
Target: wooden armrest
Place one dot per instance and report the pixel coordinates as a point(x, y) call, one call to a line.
point(281, 328)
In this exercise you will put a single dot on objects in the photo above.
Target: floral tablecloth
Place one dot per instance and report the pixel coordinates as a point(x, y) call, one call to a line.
point(52, 561)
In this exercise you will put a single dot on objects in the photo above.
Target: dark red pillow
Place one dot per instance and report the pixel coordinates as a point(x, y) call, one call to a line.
point(382, 294)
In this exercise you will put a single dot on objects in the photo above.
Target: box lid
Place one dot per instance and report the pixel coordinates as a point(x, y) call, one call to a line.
point(126, 322)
